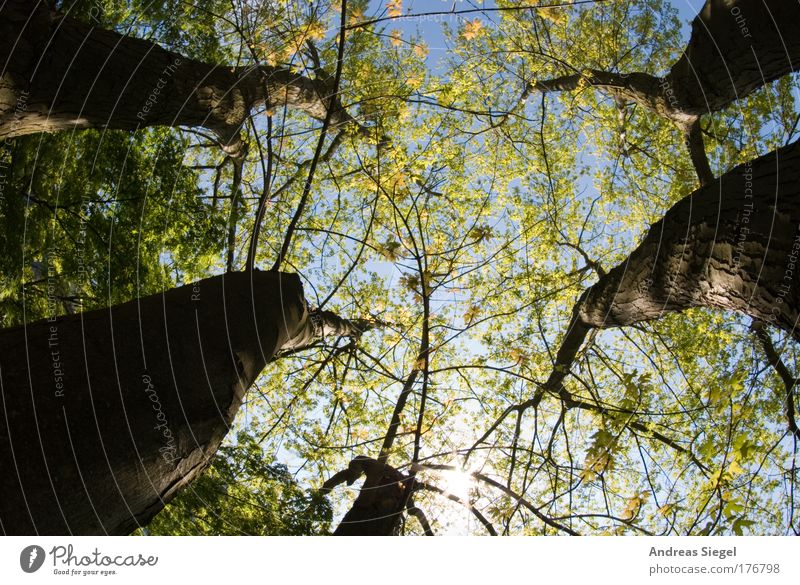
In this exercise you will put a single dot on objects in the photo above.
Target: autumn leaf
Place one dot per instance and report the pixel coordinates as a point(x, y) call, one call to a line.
point(315, 31)
point(472, 29)
point(471, 312)
point(396, 38)
point(556, 14)
point(394, 8)
point(481, 233)
point(390, 250)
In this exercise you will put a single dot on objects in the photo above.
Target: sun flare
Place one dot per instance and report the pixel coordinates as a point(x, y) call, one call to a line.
point(457, 482)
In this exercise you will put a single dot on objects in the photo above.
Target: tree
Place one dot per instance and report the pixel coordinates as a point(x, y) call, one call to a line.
point(741, 231)
point(535, 371)
point(63, 73)
point(100, 449)
point(734, 49)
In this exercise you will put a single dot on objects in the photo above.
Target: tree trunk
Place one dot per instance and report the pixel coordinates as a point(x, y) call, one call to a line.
point(736, 47)
point(60, 73)
point(106, 415)
point(733, 245)
point(378, 509)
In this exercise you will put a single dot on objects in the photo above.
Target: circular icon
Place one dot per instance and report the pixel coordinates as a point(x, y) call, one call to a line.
point(31, 558)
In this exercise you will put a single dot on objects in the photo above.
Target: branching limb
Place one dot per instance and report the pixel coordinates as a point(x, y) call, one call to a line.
point(378, 509)
point(649, 91)
point(475, 512)
point(329, 118)
point(423, 520)
point(693, 136)
point(567, 353)
point(789, 381)
point(641, 88)
point(506, 490)
point(571, 402)
point(238, 165)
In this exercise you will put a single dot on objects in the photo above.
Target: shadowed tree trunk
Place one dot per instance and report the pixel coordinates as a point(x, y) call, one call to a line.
point(733, 245)
point(106, 415)
point(382, 499)
point(736, 46)
point(59, 73)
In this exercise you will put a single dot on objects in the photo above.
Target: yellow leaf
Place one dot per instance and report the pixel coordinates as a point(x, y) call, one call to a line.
point(355, 16)
point(518, 356)
point(394, 8)
point(735, 468)
point(632, 507)
point(316, 31)
point(421, 50)
point(472, 29)
point(396, 38)
point(472, 312)
point(556, 15)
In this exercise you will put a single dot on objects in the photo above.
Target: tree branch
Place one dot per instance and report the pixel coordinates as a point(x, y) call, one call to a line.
point(693, 136)
point(641, 88)
point(789, 381)
point(475, 512)
point(509, 492)
point(329, 118)
point(423, 520)
point(238, 165)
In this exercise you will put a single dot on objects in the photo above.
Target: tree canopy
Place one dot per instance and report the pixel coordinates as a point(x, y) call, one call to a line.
point(483, 183)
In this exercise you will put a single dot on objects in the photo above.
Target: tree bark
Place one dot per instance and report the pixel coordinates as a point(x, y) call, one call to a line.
point(382, 499)
point(733, 245)
point(59, 73)
point(736, 46)
point(106, 415)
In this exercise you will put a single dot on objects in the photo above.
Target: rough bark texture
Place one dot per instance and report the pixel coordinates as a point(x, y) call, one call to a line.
point(736, 47)
point(106, 415)
point(642, 88)
point(59, 73)
point(733, 245)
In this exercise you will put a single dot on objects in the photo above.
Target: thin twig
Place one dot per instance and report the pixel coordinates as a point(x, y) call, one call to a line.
point(318, 152)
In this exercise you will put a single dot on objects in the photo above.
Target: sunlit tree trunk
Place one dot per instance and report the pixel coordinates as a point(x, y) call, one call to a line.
point(59, 73)
point(736, 46)
point(106, 415)
point(733, 245)
point(382, 499)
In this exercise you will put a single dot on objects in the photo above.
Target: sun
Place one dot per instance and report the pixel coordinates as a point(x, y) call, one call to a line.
point(457, 482)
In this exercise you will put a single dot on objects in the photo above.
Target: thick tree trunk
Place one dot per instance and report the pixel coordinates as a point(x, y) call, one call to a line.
point(106, 415)
point(733, 245)
point(736, 47)
point(378, 509)
point(59, 73)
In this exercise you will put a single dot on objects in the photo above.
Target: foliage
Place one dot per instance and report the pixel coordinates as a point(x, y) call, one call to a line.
point(466, 214)
point(241, 493)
